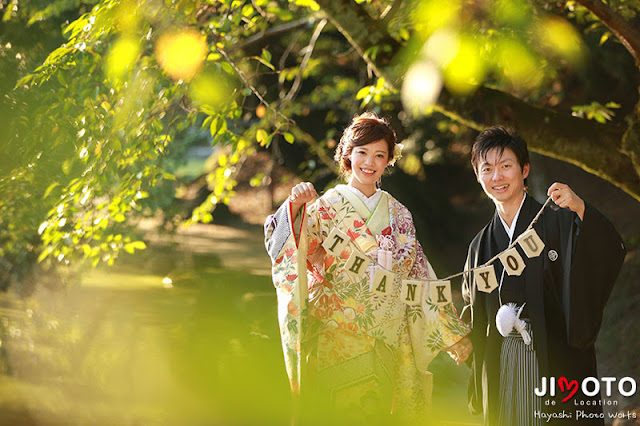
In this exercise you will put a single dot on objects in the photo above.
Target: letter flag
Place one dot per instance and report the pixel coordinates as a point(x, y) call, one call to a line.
point(512, 262)
point(531, 243)
point(486, 280)
point(440, 292)
point(411, 290)
point(335, 242)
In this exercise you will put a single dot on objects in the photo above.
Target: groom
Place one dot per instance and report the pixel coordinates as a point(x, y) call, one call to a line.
point(560, 295)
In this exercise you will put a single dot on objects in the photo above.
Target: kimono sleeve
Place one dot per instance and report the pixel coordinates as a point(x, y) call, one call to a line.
point(598, 257)
point(287, 245)
point(441, 326)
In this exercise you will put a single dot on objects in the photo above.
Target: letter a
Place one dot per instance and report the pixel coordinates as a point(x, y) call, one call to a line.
point(382, 282)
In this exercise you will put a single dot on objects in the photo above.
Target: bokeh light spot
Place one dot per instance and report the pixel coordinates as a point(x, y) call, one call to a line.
point(442, 46)
point(122, 57)
point(181, 53)
point(210, 88)
point(519, 65)
point(421, 87)
point(561, 38)
point(466, 71)
point(434, 14)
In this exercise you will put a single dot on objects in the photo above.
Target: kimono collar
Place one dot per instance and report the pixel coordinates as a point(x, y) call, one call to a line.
point(511, 229)
point(370, 202)
point(377, 219)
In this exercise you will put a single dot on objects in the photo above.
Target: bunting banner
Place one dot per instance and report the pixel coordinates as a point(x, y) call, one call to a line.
point(436, 292)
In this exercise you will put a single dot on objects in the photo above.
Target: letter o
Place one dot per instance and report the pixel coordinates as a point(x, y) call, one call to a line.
point(596, 386)
point(512, 262)
point(633, 386)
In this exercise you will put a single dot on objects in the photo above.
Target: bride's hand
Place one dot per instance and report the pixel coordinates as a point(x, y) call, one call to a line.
point(302, 193)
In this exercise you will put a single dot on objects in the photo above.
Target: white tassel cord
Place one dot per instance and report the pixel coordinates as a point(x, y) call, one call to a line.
point(508, 318)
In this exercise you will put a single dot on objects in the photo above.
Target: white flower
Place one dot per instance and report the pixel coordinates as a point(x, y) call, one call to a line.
point(397, 154)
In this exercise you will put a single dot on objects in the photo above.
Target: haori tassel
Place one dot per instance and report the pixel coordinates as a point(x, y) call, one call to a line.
point(385, 253)
point(508, 318)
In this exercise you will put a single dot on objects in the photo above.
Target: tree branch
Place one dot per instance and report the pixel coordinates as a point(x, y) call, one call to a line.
point(626, 33)
point(363, 32)
point(255, 91)
point(391, 12)
point(272, 32)
point(596, 148)
point(305, 60)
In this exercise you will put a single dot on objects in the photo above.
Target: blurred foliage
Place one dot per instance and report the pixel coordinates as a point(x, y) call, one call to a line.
point(96, 123)
point(595, 111)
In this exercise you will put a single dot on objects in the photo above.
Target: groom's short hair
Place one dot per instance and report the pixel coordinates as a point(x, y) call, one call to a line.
point(499, 137)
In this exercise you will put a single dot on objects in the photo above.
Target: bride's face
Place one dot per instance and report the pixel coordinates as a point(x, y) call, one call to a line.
point(368, 163)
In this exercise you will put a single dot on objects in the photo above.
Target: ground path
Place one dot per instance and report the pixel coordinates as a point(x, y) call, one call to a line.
point(130, 347)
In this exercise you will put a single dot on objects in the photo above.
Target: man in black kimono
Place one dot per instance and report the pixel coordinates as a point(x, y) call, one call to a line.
point(560, 295)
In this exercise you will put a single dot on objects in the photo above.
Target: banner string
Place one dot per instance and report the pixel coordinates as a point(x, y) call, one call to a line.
point(490, 261)
point(388, 321)
point(487, 263)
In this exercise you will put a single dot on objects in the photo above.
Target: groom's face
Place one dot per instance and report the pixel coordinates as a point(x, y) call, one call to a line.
point(501, 176)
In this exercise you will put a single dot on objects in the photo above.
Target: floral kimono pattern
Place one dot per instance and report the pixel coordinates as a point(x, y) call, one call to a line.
point(332, 317)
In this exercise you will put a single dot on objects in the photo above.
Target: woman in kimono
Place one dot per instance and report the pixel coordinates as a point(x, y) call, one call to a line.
point(338, 268)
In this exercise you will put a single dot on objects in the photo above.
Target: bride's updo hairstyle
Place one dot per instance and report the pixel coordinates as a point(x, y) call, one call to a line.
point(364, 129)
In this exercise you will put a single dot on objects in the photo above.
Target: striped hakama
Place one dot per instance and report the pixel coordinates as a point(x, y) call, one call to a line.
point(519, 375)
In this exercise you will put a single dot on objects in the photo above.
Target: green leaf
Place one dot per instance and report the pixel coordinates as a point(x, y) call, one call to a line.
point(24, 80)
point(140, 245)
point(247, 10)
point(206, 122)
point(66, 167)
point(44, 255)
point(115, 144)
point(264, 62)
point(226, 67)
point(263, 137)
point(289, 137)
point(49, 189)
point(363, 92)
point(214, 126)
point(7, 14)
point(61, 79)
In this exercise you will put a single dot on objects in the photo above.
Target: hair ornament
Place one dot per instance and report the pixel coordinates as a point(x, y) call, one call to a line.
point(397, 153)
